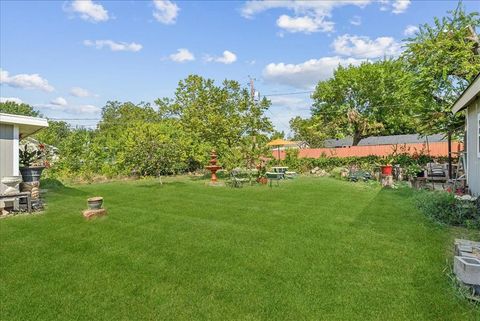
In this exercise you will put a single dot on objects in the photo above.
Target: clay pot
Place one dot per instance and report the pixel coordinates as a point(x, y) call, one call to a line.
point(95, 203)
point(262, 180)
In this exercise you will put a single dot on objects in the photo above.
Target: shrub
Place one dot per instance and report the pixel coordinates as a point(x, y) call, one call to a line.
point(443, 207)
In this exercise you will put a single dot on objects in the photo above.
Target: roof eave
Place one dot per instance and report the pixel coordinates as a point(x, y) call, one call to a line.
point(472, 92)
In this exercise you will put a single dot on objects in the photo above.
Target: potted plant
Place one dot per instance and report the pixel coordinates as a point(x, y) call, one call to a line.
point(387, 167)
point(32, 163)
point(413, 171)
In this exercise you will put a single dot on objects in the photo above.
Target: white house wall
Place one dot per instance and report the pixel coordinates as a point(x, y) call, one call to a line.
point(8, 155)
point(473, 158)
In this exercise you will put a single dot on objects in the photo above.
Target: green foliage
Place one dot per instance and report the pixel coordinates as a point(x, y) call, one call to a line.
point(136, 139)
point(224, 118)
point(443, 207)
point(445, 58)
point(361, 101)
point(311, 130)
point(10, 107)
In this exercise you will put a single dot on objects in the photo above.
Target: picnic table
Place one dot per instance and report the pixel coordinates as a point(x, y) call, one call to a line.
point(280, 169)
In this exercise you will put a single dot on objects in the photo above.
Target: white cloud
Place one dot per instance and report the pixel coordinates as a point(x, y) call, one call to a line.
point(89, 10)
point(400, 6)
point(113, 45)
point(59, 101)
point(305, 75)
point(309, 16)
point(410, 30)
point(182, 55)
point(227, 57)
point(79, 92)
point(28, 81)
point(305, 24)
point(165, 11)
point(396, 6)
point(356, 20)
point(12, 99)
point(364, 47)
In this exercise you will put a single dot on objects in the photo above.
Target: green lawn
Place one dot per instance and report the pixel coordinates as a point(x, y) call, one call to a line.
point(311, 249)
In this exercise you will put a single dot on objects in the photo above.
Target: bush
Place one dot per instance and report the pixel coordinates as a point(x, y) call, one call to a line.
point(443, 207)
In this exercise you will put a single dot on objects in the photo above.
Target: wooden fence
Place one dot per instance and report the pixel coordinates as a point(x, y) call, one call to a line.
point(438, 149)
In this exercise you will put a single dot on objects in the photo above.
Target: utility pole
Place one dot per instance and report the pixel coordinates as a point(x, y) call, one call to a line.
point(252, 87)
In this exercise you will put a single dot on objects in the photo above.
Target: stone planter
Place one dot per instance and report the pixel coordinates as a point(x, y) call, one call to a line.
point(95, 203)
point(31, 174)
point(12, 183)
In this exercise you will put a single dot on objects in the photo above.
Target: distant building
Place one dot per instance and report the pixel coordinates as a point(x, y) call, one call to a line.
point(386, 140)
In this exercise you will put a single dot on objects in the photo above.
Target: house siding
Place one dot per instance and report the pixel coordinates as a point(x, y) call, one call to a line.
point(6, 154)
point(473, 159)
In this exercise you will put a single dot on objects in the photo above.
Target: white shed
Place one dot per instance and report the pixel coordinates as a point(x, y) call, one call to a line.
point(12, 129)
point(470, 102)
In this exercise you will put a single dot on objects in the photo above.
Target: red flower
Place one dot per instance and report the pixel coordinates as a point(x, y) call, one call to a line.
point(41, 146)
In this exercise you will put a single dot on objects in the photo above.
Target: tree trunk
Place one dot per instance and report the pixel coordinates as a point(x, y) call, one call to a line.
point(357, 137)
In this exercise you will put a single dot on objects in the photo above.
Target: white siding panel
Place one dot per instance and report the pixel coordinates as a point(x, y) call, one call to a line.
point(473, 159)
point(6, 152)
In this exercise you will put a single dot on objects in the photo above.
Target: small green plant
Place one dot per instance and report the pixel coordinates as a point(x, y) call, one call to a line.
point(412, 170)
point(444, 208)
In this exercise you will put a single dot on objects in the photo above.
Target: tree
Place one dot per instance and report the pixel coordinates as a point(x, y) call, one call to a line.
point(445, 58)
point(310, 130)
point(370, 99)
point(225, 118)
point(55, 134)
point(11, 107)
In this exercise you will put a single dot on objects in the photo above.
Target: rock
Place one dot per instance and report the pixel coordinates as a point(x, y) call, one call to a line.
point(315, 170)
point(89, 214)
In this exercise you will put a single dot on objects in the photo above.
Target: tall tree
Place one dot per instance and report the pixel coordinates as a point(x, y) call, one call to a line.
point(370, 99)
point(223, 117)
point(445, 58)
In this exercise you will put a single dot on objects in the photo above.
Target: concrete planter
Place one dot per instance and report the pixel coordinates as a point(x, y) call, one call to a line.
point(467, 269)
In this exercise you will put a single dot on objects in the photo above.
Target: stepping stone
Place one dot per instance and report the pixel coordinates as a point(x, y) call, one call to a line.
point(89, 214)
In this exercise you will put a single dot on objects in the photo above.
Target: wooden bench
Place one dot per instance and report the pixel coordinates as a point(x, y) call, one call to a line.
point(18, 196)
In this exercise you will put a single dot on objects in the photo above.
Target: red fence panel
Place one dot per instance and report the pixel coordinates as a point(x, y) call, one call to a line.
point(438, 149)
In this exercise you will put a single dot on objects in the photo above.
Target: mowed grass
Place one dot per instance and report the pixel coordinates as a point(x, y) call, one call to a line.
point(311, 249)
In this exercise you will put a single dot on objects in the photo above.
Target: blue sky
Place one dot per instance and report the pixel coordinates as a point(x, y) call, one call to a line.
point(67, 58)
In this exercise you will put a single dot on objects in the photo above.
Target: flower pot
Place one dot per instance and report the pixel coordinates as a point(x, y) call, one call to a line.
point(262, 180)
point(387, 170)
point(31, 174)
point(95, 203)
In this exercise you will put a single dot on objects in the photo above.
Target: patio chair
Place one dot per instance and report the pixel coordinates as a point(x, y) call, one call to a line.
point(436, 173)
point(359, 176)
point(290, 175)
point(274, 176)
point(238, 177)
